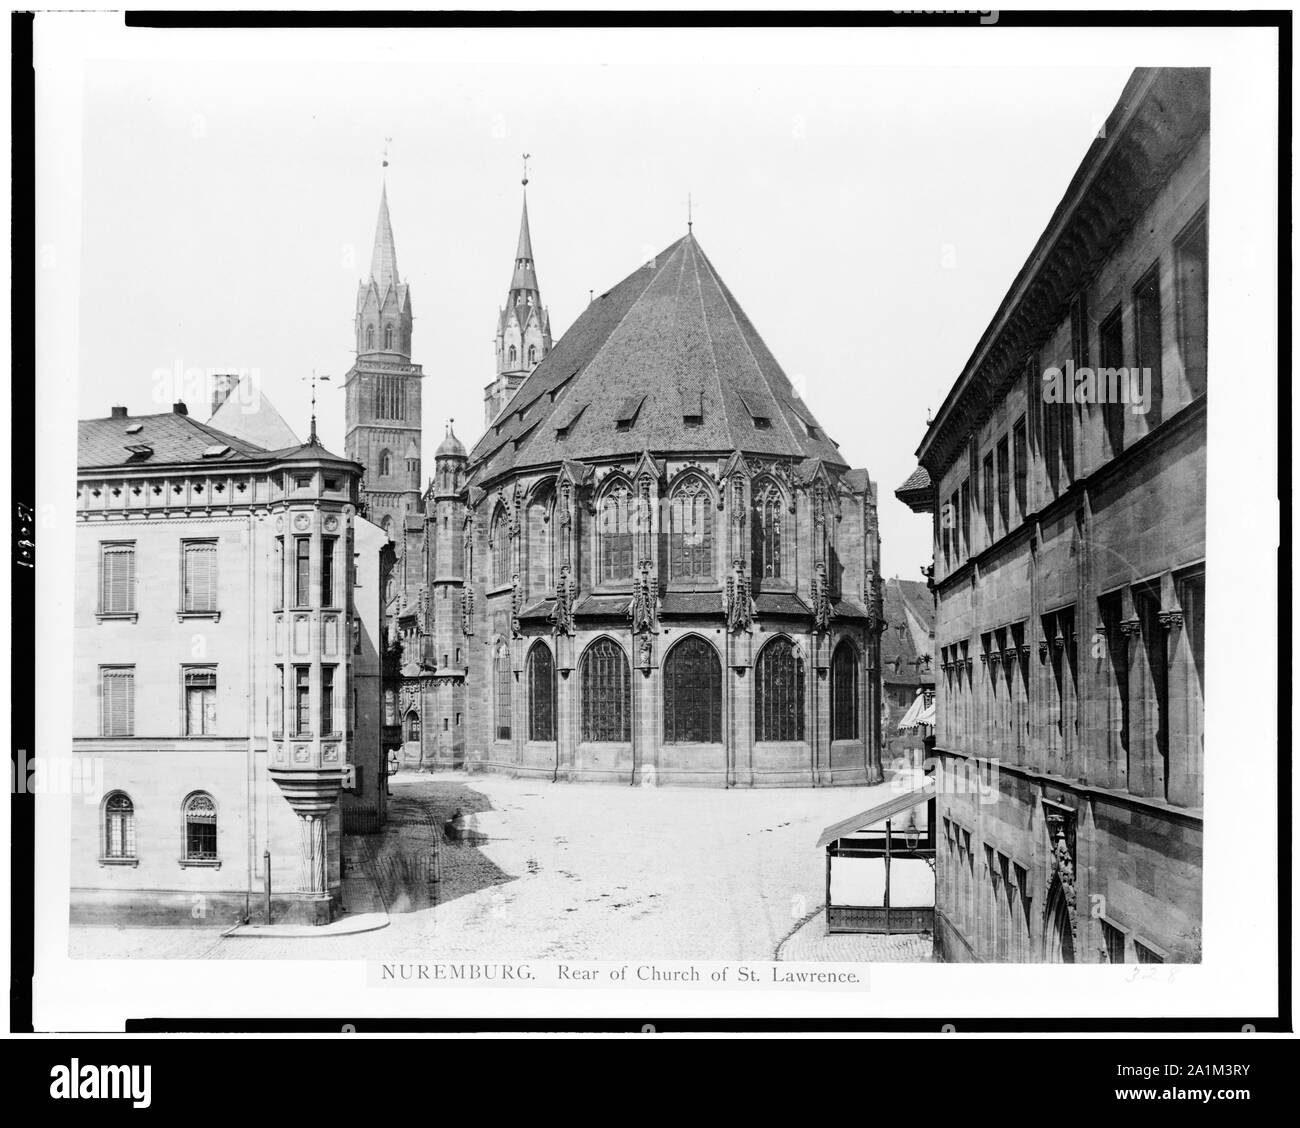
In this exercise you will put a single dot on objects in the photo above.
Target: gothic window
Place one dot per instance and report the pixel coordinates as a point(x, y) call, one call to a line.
point(385, 463)
point(370, 336)
point(767, 533)
point(514, 354)
point(779, 692)
point(690, 531)
point(499, 549)
point(200, 817)
point(119, 826)
point(692, 693)
point(388, 336)
point(606, 693)
point(413, 727)
point(532, 354)
point(501, 683)
point(541, 693)
point(616, 547)
point(538, 543)
point(844, 692)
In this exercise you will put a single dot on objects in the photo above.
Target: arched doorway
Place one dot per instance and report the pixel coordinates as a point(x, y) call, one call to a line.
point(1058, 935)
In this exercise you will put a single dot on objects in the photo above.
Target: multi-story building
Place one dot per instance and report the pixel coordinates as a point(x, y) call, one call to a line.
point(1068, 499)
point(906, 660)
point(226, 665)
point(654, 567)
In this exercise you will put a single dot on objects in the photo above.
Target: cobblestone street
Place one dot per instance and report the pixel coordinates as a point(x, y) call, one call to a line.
point(586, 871)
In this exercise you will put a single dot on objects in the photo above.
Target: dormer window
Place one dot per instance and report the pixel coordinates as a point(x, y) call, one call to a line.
point(625, 419)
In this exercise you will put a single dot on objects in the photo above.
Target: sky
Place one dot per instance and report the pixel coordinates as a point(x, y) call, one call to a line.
point(869, 218)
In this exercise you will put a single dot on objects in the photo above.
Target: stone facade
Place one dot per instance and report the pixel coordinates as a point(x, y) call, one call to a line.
point(190, 629)
point(1070, 571)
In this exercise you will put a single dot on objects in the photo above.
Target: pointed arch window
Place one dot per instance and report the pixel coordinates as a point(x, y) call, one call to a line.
point(514, 355)
point(200, 817)
point(690, 531)
point(692, 693)
point(385, 463)
point(541, 693)
point(413, 727)
point(844, 692)
point(370, 336)
point(532, 354)
point(606, 693)
point(499, 549)
point(501, 676)
point(779, 692)
point(768, 505)
point(119, 826)
point(388, 336)
point(616, 547)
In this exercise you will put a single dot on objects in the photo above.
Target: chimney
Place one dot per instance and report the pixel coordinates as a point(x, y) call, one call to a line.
point(222, 386)
point(119, 412)
point(179, 408)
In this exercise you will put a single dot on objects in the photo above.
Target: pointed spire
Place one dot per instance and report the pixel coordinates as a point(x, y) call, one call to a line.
point(525, 274)
point(383, 262)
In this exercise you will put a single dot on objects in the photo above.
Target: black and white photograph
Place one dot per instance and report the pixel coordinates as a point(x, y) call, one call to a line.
point(537, 514)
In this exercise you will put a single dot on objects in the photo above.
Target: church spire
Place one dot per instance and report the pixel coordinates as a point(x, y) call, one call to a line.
point(525, 275)
point(383, 261)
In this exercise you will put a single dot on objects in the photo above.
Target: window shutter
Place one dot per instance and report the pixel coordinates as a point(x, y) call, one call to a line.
point(200, 577)
point(119, 702)
point(117, 579)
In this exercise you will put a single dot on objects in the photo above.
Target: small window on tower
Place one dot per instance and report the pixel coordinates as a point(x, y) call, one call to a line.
point(388, 336)
point(514, 354)
point(370, 336)
point(532, 354)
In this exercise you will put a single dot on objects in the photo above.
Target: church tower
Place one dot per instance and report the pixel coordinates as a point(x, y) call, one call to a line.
point(383, 389)
point(523, 327)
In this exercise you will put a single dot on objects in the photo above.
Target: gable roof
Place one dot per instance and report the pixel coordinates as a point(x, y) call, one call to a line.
point(670, 332)
point(259, 422)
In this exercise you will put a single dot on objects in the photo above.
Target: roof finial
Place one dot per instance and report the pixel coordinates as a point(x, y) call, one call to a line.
point(690, 214)
point(526, 159)
point(387, 141)
point(313, 439)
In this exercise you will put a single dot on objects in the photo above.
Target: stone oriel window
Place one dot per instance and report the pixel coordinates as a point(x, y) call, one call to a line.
point(501, 677)
point(541, 693)
point(199, 815)
point(119, 826)
point(779, 692)
point(844, 692)
point(692, 693)
point(690, 531)
point(616, 540)
point(606, 694)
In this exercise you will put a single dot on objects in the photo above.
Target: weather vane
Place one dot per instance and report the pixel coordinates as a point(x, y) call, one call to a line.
point(313, 440)
point(387, 141)
point(526, 158)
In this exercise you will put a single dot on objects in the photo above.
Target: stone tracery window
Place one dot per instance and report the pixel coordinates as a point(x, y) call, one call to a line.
point(501, 676)
point(844, 692)
point(616, 539)
point(768, 506)
point(541, 693)
point(606, 693)
point(692, 693)
point(779, 692)
point(690, 531)
point(499, 548)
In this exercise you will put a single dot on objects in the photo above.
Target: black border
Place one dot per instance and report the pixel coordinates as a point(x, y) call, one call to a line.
point(22, 807)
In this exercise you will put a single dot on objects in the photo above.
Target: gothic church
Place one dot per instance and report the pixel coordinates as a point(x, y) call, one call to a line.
point(653, 567)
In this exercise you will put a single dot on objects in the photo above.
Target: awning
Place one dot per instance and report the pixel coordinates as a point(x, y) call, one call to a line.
point(910, 718)
point(874, 815)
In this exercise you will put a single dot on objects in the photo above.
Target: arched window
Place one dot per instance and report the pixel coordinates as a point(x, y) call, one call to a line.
point(388, 336)
point(541, 693)
point(370, 336)
point(413, 727)
point(606, 693)
point(844, 692)
point(499, 548)
point(692, 693)
point(385, 463)
point(690, 531)
point(119, 826)
point(501, 682)
point(778, 692)
point(768, 504)
point(537, 544)
point(616, 547)
point(532, 354)
point(387, 525)
point(200, 817)
point(514, 354)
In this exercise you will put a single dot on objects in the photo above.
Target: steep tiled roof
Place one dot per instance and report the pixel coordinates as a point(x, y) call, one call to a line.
point(670, 332)
point(169, 438)
point(905, 637)
point(918, 479)
point(256, 422)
